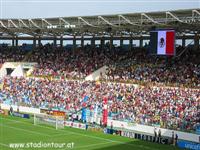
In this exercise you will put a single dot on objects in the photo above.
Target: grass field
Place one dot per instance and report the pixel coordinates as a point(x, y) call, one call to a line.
point(14, 130)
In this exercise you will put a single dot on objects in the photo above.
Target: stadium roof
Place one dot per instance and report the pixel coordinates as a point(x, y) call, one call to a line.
point(187, 21)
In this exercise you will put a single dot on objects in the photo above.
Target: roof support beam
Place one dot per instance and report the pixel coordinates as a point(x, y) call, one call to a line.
point(11, 22)
point(127, 20)
point(63, 20)
point(195, 13)
point(106, 21)
point(22, 22)
point(173, 16)
point(44, 20)
point(33, 23)
point(148, 17)
point(86, 22)
point(1, 23)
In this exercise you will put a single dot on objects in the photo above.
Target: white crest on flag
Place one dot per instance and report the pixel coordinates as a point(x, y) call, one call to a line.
point(105, 106)
point(161, 43)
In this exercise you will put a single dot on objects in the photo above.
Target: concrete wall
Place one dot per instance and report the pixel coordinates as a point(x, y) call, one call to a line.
point(150, 130)
point(96, 74)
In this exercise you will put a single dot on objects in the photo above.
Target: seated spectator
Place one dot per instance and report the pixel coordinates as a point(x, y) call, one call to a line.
point(173, 108)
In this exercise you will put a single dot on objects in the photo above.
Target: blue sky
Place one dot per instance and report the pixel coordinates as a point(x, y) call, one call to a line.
point(64, 8)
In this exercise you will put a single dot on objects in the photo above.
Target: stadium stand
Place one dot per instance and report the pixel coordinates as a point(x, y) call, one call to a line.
point(152, 103)
point(142, 68)
point(145, 105)
point(141, 88)
point(11, 54)
point(64, 63)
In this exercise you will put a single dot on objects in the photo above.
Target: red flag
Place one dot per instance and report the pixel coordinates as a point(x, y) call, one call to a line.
point(105, 111)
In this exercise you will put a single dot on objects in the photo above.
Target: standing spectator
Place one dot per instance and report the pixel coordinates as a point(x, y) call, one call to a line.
point(155, 135)
point(172, 137)
point(111, 125)
point(159, 133)
point(176, 140)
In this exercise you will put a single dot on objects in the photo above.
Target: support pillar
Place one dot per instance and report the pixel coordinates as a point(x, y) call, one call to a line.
point(93, 42)
point(121, 42)
point(141, 42)
point(55, 42)
point(16, 42)
point(39, 42)
point(13, 42)
point(130, 43)
point(111, 42)
point(196, 42)
point(102, 43)
point(61, 41)
point(183, 41)
point(82, 41)
point(74, 43)
point(34, 42)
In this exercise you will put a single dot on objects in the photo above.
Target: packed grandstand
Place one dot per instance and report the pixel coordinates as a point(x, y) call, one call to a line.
point(162, 91)
point(168, 93)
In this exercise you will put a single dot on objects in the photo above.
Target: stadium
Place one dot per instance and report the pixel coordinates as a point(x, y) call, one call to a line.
point(101, 82)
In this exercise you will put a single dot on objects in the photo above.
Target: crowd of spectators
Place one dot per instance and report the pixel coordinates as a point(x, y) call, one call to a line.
point(11, 54)
point(59, 62)
point(174, 108)
point(135, 66)
point(144, 69)
point(168, 93)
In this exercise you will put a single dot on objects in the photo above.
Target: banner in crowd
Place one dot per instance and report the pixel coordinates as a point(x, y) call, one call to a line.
point(44, 111)
point(161, 140)
point(75, 125)
point(21, 115)
point(53, 112)
point(128, 134)
point(58, 113)
point(198, 130)
point(4, 112)
point(105, 111)
point(84, 109)
point(95, 113)
point(95, 129)
point(188, 145)
point(162, 42)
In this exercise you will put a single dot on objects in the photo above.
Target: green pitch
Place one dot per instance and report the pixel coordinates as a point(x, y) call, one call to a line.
point(14, 130)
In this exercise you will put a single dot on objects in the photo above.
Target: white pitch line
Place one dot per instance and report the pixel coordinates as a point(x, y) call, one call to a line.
point(5, 145)
point(56, 135)
point(23, 130)
point(90, 136)
point(62, 130)
point(35, 131)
